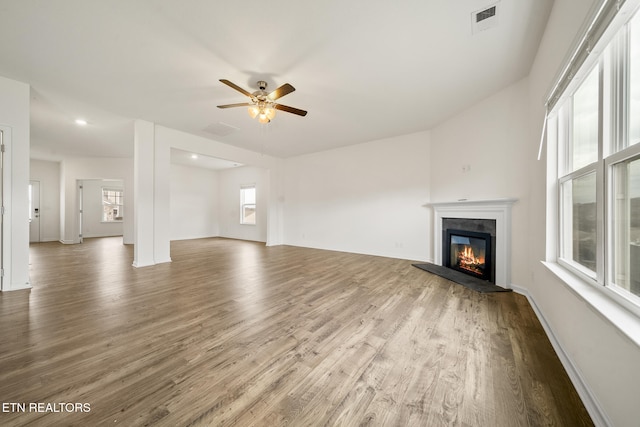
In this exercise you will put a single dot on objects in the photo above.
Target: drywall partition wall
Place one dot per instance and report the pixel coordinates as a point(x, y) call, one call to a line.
point(480, 154)
point(48, 173)
point(367, 198)
point(194, 202)
point(229, 203)
point(92, 209)
point(77, 169)
point(14, 122)
point(603, 359)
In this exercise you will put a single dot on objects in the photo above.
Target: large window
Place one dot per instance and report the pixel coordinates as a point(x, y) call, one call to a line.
point(112, 205)
point(634, 80)
point(248, 204)
point(596, 126)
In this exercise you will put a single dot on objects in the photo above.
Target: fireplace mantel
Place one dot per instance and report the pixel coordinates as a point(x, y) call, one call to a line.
point(496, 209)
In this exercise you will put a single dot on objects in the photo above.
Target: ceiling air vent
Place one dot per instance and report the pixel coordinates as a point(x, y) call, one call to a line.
point(486, 14)
point(220, 129)
point(484, 19)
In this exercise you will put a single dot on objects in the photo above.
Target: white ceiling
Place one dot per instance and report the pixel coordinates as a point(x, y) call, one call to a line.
point(364, 70)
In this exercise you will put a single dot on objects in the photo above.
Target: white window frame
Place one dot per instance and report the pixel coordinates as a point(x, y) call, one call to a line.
point(120, 206)
point(243, 204)
point(612, 76)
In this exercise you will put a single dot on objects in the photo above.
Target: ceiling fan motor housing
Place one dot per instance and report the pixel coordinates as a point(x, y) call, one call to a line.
point(261, 94)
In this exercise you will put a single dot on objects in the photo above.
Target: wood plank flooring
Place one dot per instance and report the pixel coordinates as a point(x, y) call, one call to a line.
point(234, 333)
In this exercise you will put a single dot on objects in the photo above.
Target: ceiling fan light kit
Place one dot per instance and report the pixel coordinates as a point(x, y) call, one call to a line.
point(263, 105)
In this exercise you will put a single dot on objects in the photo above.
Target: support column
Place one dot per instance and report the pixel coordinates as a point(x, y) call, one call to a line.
point(143, 184)
point(14, 122)
point(161, 201)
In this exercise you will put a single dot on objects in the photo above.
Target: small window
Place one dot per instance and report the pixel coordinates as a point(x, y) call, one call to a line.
point(248, 204)
point(634, 81)
point(112, 205)
point(626, 227)
point(579, 212)
point(584, 140)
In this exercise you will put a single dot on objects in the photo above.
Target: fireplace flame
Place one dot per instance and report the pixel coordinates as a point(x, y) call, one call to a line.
point(469, 261)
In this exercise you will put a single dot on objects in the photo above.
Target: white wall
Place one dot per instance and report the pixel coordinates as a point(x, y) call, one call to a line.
point(14, 122)
point(229, 203)
point(73, 170)
point(194, 202)
point(368, 198)
point(607, 361)
point(48, 174)
point(92, 224)
point(490, 140)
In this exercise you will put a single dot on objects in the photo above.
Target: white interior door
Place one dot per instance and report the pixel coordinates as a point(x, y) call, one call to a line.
point(34, 211)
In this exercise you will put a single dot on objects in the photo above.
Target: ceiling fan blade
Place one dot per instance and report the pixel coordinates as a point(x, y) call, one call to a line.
point(283, 90)
point(236, 87)
point(242, 104)
point(290, 109)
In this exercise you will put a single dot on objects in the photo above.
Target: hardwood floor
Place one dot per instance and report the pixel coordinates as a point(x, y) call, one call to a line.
point(234, 333)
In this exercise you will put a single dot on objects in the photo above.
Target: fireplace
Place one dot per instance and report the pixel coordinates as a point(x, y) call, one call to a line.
point(485, 216)
point(468, 252)
point(468, 245)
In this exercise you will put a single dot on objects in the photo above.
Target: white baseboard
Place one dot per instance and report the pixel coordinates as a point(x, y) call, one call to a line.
point(17, 287)
point(138, 264)
point(590, 402)
point(68, 242)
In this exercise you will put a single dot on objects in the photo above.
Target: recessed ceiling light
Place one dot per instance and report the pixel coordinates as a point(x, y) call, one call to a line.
point(81, 122)
point(194, 156)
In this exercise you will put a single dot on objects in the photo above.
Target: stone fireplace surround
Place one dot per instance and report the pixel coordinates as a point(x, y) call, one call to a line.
point(496, 209)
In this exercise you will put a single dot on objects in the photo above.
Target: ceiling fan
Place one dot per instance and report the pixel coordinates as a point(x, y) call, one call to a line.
point(263, 105)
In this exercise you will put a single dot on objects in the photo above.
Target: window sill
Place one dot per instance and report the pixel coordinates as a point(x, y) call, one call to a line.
point(625, 320)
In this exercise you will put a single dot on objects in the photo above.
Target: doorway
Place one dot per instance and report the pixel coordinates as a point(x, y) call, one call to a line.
point(34, 211)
